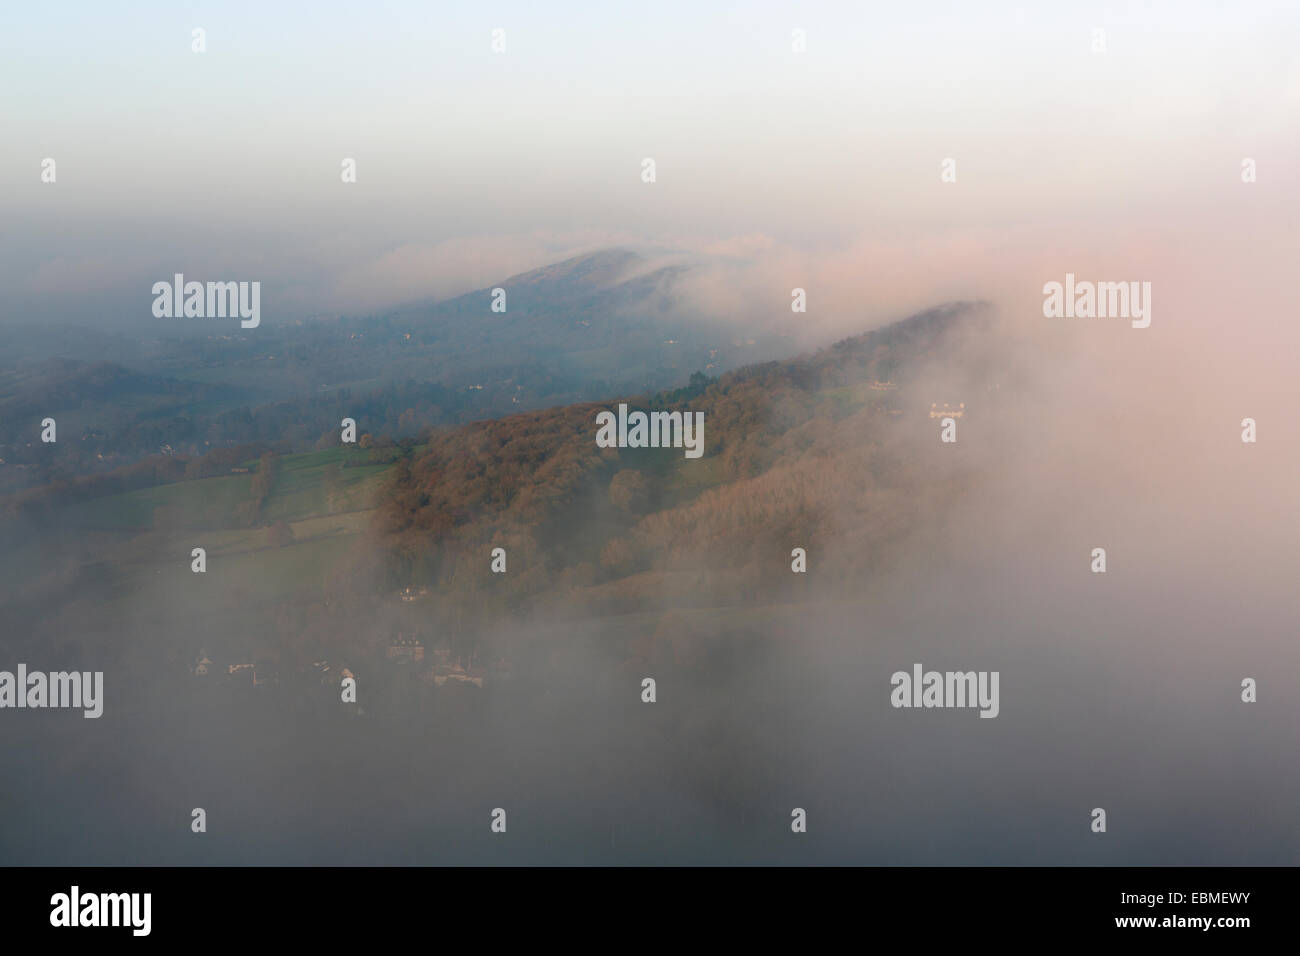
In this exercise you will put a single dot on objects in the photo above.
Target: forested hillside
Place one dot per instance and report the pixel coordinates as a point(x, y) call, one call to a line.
point(799, 453)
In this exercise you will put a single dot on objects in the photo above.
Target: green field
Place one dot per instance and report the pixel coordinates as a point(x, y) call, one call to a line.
point(300, 491)
point(140, 542)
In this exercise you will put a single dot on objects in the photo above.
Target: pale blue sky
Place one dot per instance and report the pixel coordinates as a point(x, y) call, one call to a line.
point(229, 160)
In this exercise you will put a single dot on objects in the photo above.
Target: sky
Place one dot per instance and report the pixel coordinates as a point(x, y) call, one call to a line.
point(814, 167)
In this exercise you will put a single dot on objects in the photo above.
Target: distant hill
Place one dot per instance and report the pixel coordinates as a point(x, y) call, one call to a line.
point(106, 415)
point(611, 319)
point(600, 324)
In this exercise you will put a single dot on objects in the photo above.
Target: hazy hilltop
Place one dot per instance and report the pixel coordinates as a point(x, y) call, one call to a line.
point(605, 323)
point(589, 326)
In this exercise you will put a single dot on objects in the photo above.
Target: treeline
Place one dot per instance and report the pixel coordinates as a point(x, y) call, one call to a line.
point(152, 471)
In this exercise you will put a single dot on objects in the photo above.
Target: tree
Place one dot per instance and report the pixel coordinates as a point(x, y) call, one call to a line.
point(630, 492)
point(263, 477)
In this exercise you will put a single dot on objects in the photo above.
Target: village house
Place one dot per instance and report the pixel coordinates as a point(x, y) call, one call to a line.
point(242, 672)
point(441, 679)
point(404, 649)
point(458, 673)
point(322, 671)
